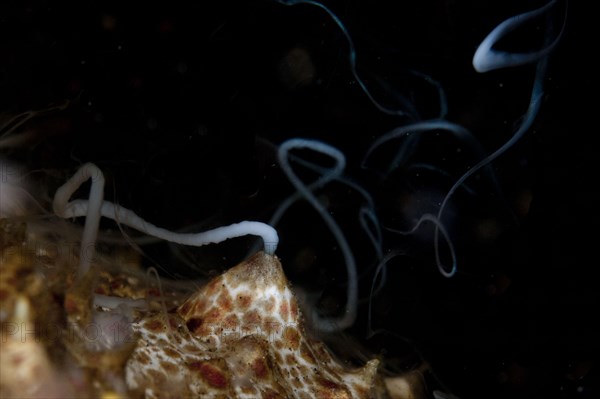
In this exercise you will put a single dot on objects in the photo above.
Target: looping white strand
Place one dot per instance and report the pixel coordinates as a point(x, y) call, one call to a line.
point(347, 319)
point(487, 59)
point(96, 207)
point(92, 207)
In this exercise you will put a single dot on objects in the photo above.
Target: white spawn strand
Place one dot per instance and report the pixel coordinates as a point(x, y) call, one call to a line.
point(96, 207)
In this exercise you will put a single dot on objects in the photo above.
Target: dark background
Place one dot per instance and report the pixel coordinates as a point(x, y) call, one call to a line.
point(182, 103)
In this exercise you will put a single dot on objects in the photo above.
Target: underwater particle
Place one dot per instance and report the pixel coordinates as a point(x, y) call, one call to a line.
point(108, 22)
point(296, 69)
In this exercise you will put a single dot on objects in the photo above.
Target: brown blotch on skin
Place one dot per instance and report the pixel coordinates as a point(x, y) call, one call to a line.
point(362, 390)
point(224, 301)
point(243, 301)
point(37, 371)
point(294, 373)
point(294, 314)
point(190, 348)
point(247, 329)
point(194, 366)
point(270, 394)
point(155, 325)
point(284, 310)
point(117, 283)
point(213, 287)
point(194, 323)
point(331, 390)
point(199, 306)
point(172, 353)
point(17, 360)
point(71, 305)
point(306, 353)
point(153, 292)
point(260, 368)
point(230, 322)
point(290, 360)
point(213, 315)
point(169, 367)
point(158, 378)
point(278, 357)
point(321, 352)
point(303, 370)
point(174, 322)
point(278, 345)
point(211, 374)
point(269, 304)
point(249, 390)
point(185, 308)
point(143, 358)
point(151, 336)
point(271, 325)
point(297, 383)
point(292, 338)
point(252, 318)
